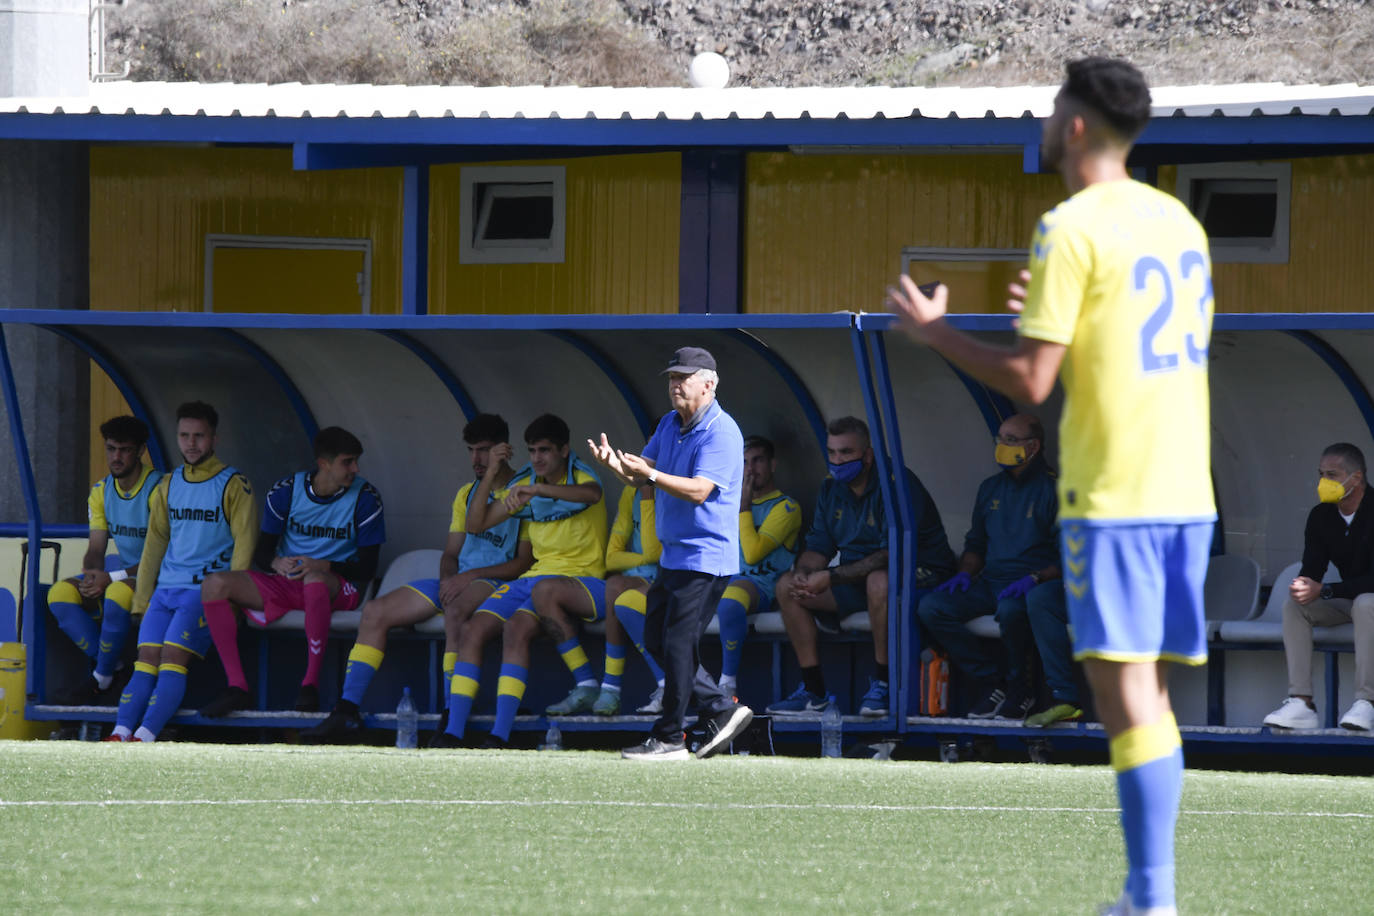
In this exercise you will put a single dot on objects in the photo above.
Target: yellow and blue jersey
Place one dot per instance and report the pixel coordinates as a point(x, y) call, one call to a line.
point(324, 527)
point(124, 515)
point(1120, 275)
point(634, 548)
point(491, 547)
point(568, 538)
point(768, 532)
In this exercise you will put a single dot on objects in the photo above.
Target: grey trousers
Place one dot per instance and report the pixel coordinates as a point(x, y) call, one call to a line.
point(1298, 621)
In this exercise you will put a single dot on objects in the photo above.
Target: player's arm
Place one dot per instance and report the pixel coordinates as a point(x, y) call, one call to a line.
point(972, 560)
point(154, 545)
point(370, 524)
point(487, 513)
point(242, 512)
point(810, 561)
point(858, 570)
point(94, 579)
point(362, 567)
point(649, 543)
point(780, 527)
point(618, 555)
point(586, 491)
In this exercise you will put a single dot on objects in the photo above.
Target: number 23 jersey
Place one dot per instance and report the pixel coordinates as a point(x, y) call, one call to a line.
point(1120, 274)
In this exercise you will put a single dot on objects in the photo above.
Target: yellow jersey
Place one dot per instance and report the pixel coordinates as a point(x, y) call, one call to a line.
point(1120, 275)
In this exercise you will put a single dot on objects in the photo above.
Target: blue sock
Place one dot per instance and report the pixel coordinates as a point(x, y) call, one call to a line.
point(114, 632)
point(510, 690)
point(615, 667)
point(450, 659)
point(167, 696)
point(462, 692)
point(1149, 779)
point(134, 699)
point(576, 660)
point(733, 615)
point(629, 610)
point(363, 662)
point(65, 603)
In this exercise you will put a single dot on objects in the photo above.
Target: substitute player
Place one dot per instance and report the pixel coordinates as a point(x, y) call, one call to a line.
point(93, 608)
point(1120, 295)
point(321, 536)
point(201, 519)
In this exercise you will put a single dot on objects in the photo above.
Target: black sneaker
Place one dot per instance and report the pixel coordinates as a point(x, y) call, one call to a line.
point(989, 706)
point(443, 741)
point(654, 749)
point(495, 743)
point(308, 698)
point(343, 725)
point(1018, 703)
point(722, 728)
point(230, 699)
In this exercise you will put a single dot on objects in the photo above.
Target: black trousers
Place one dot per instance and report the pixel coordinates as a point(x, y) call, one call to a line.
point(677, 609)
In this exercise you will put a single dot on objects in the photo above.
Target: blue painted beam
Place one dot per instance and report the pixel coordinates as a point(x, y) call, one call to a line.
point(415, 242)
point(28, 486)
point(278, 375)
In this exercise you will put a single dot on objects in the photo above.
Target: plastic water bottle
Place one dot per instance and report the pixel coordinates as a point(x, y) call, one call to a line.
point(832, 730)
point(553, 738)
point(407, 722)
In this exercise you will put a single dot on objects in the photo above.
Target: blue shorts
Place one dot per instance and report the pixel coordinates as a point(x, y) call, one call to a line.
point(175, 618)
point(1135, 591)
point(764, 585)
point(429, 590)
point(511, 597)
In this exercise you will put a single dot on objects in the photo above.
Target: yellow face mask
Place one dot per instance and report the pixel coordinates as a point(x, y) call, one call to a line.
point(1009, 456)
point(1330, 491)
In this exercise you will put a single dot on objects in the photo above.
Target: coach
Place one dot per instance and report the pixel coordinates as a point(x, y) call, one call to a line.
point(695, 463)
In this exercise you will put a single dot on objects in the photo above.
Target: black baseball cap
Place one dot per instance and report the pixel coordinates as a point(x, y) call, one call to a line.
point(690, 359)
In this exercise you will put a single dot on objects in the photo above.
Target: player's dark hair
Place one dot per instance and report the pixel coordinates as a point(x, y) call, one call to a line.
point(199, 410)
point(486, 427)
point(1349, 455)
point(333, 441)
point(547, 427)
point(760, 442)
point(1113, 89)
point(125, 429)
point(843, 426)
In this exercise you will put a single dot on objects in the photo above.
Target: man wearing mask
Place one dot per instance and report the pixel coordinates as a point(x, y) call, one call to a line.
point(1340, 530)
point(1009, 568)
point(851, 520)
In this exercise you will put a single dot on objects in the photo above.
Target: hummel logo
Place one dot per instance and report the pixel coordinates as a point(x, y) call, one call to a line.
point(316, 646)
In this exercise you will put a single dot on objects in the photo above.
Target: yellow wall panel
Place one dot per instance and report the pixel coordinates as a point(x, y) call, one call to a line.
point(621, 244)
point(1329, 255)
point(152, 207)
point(825, 233)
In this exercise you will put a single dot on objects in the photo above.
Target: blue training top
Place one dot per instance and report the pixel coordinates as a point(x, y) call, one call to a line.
point(323, 527)
point(126, 518)
point(201, 541)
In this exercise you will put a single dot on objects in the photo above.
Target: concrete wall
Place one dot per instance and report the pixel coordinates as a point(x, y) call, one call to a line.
point(44, 48)
point(44, 263)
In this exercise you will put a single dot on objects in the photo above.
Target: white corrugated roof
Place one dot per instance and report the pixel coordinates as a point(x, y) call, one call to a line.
point(297, 100)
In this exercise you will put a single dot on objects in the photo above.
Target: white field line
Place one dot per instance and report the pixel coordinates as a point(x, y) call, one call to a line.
point(593, 803)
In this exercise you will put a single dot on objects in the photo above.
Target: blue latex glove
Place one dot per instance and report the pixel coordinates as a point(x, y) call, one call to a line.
point(959, 582)
point(1018, 589)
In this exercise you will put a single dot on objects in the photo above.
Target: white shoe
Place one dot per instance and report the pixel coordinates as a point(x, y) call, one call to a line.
point(1294, 713)
point(1123, 907)
point(1359, 717)
point(655, 704)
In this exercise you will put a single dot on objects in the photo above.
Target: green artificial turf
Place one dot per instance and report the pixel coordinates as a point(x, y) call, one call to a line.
point(217, 828)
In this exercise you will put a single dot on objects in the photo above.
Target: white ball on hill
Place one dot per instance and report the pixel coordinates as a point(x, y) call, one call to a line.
point(709, 71)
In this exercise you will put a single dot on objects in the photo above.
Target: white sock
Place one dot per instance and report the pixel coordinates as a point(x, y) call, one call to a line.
point(144, 735)
point(607, 688)
point(103, 680)
point(121, 732)
point(727, 684)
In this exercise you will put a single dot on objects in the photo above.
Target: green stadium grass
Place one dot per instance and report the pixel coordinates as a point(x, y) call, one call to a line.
point(217, 828)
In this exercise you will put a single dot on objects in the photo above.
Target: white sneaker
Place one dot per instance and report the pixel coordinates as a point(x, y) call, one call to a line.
point(1294, 713)
point(1359, 717)
point(655, 704)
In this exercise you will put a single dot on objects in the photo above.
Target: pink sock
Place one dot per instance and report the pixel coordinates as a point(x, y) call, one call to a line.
point(317, 613)
point(224, 630)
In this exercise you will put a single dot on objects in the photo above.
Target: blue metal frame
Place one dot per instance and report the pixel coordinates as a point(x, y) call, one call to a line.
point(277, 374)
point(450, 381)
point(645, 421)
point(156, 455)
point(994, 406)
point(32, 635)
point(899, 560)
point(415, 241)
point(791, 380)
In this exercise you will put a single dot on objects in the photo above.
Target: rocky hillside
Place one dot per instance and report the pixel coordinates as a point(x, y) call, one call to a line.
point(768, 42)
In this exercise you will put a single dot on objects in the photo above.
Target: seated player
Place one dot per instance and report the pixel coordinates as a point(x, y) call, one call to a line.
point(562, 500)
point(472, 566)
point(632, 554)
point(769, 523)
point(201, 519)
point(93, 608)
point(321, 536)
point(850, 520)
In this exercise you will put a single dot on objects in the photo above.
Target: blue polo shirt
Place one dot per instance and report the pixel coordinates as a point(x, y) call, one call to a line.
point(702, 538)
point(1015, 523)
